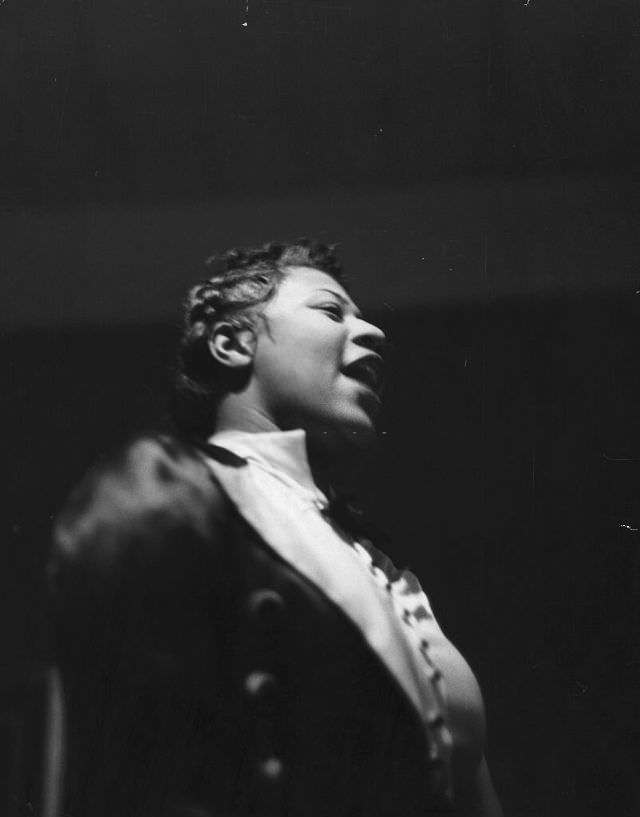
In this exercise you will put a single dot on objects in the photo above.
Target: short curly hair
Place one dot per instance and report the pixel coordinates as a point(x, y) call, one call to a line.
point(239, 283)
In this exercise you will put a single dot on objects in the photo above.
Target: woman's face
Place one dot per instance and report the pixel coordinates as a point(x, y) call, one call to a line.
point(317, 362)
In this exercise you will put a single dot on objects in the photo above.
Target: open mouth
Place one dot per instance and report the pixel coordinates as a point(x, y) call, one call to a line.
point(368, 371)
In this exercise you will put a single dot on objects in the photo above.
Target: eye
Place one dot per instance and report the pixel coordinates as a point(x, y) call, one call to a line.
point(333, 309)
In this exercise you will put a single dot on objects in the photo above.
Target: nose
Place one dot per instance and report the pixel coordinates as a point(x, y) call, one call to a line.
point(369, 336)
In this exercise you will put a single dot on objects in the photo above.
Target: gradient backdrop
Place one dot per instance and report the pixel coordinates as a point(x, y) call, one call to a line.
point(477, 163)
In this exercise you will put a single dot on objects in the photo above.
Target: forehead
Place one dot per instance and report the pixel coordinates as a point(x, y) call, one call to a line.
point(301, 283)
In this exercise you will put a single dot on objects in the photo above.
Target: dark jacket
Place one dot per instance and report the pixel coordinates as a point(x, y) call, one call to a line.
point(203, 675)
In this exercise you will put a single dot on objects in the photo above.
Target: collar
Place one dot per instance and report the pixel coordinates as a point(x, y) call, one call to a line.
point(281, 453)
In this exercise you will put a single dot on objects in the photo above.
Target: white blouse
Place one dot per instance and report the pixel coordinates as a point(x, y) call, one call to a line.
point(275, 492)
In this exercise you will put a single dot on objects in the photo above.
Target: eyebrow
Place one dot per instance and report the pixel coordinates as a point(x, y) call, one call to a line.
point(341, 298)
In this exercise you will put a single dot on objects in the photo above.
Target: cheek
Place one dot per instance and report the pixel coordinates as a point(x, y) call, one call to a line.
point(303, 361)
point(314, 351)
point(310, 380)
point(292, 374)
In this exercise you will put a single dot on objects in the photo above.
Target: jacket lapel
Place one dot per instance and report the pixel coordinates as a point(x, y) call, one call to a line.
point(307, 541)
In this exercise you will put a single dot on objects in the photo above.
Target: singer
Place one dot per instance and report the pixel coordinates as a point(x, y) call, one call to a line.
point(230, 639)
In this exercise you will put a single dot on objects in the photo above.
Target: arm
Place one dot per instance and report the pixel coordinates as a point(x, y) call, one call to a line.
point(136, 574)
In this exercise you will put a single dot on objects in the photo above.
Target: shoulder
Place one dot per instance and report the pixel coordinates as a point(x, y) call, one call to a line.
point(138, 562)
point(148, 463)
point(155, 485)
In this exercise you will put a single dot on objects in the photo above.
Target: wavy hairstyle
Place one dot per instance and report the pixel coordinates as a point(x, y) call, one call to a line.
point(238, 285)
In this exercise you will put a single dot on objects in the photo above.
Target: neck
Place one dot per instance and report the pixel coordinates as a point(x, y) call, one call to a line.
point(237, 414)
point(334, 456)
point(334, 462)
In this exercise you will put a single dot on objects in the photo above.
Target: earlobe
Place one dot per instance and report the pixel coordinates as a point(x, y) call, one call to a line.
point(232, 346)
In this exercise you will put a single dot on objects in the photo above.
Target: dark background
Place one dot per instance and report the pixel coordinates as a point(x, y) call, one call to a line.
point(477, 162)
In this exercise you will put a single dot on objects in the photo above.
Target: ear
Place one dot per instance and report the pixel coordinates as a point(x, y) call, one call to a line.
point(231, 345)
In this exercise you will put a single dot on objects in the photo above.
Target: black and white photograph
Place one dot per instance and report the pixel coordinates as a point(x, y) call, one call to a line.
point(320, 344)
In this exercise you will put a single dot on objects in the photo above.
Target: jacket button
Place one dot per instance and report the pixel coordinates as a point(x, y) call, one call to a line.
point(271, 770)
point(267, 608)
point(261, 689)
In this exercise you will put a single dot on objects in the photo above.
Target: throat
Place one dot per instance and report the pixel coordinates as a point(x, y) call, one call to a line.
point(334, 465)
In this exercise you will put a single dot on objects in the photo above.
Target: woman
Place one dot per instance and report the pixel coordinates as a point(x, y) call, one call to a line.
point(230, 641)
